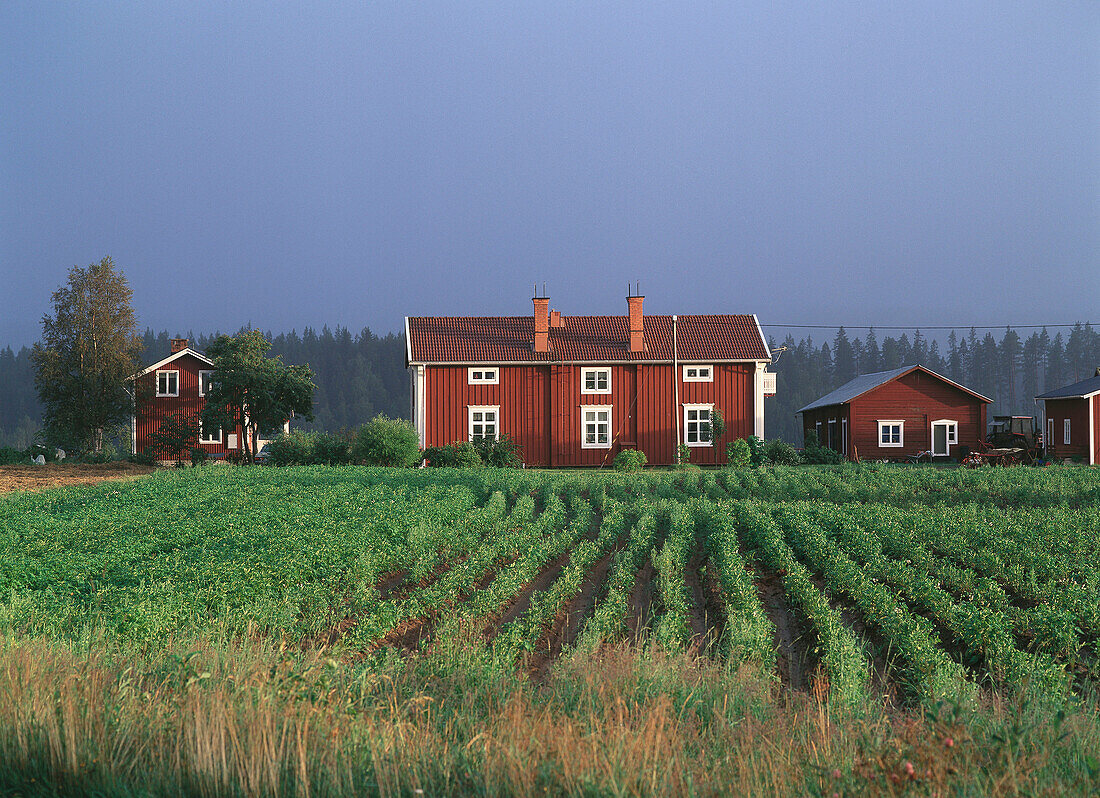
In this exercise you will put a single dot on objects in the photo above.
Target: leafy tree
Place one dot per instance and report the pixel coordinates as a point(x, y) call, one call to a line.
point(387, 442)
point(89, 347)
point(252, 390)
point(175, 434)
point(717, 427)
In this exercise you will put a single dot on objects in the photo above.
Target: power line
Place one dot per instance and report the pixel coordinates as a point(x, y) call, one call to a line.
point(922, 327)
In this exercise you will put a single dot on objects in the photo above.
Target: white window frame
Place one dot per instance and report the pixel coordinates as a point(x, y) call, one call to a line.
point(585, 409)
point(952, 434)
point(844, 436)
point(691, 372)
point(495, 409)
point(710, 423)
point(1067, 432)
point(584, 380)
point(201, 373)
point(482, 380)
point(204, 439)
point(168, 371)
point(1049, 442)
point(891, 422)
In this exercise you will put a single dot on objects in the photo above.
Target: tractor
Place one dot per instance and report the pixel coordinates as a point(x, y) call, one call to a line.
point(1011, 440)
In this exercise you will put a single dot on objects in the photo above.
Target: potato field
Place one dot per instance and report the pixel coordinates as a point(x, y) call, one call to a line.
point(956, 600)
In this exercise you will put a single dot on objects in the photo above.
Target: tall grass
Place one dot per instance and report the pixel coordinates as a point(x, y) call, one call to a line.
point(251, 719)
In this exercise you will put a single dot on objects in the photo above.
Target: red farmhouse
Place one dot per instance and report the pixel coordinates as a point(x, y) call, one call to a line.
point(178, 383)
point(1073, 421)
point(897, 414)
point(575, 391)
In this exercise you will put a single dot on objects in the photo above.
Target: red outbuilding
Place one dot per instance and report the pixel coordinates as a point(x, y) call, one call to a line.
point(577, 390)
point(898, 414)
point(1072, 417)
point(178, 383)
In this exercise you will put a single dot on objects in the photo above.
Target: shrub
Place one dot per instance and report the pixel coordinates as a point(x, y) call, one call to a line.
point(465, 455)
point(332, 448)
point(683, 454)
point(386, 441)
point(781, 453)
point(816, 454)
point(500, 453)
point(440, 456)
point(757, 447)
point(10, 456)
point(294, 448)
point(717, 427)
point(630, 460)
point(739, 453)
point(145, 457)
point(198, 456)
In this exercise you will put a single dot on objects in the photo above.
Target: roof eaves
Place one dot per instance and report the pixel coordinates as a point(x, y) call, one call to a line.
point(170, 358)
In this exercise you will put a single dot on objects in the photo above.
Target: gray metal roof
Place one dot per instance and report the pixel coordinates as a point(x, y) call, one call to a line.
point(860, 385)
point(866, 382)
point(1082, 388)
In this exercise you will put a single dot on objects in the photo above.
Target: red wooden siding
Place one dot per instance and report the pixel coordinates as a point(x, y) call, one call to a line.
point(158, 408)
point(916, 398)
point(1077, 411)
point(540, 409)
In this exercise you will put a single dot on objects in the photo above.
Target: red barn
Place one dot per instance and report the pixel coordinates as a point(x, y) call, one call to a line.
point(897, 414)
point(178, 383)
point(577, 390)
point(1072, 417)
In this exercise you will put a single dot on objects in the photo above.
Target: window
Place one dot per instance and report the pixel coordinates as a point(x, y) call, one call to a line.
point(1065, 432)
point(596, 427)
point(698, 374)
point(484, 423)
point(697, 424)
point(483, 375)
point(203, 437)
point(891, 433)
point(168, 383)
point(205, 378)
point(832, 434)
point(952, 433)
point(595, 380)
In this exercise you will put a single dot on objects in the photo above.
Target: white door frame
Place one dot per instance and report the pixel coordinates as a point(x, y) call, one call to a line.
point(943, 422)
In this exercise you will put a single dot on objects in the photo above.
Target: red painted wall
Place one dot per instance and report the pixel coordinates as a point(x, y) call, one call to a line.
point(158, 408)
point(918, 399)
point(1077, 411)
point(540, 408)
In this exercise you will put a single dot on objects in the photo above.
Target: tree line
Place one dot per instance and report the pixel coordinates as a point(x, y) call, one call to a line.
point(359, 375)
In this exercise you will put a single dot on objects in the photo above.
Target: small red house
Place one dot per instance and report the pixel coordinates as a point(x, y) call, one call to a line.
point(1072, 416)
point(178, 383)
point(898, 414)
point(577, 390)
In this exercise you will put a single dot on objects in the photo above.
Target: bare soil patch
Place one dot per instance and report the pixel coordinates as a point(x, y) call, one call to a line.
point(520, 603)
point(639, 615)
point(57, 475)
point(793, 635)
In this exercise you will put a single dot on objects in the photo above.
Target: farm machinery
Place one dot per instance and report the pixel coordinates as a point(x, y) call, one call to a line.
point(1012, 440)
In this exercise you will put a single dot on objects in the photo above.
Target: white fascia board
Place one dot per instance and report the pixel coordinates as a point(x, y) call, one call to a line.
point(408, 344)
point(169, 359)
point(579, 362)
point(763, 340)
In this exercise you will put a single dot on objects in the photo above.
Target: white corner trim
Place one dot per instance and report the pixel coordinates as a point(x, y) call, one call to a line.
point(758, 401)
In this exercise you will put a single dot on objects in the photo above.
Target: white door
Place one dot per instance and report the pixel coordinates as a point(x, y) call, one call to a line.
point(941, 437)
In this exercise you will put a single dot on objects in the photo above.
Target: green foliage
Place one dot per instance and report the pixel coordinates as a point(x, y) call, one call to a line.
point(145, 457)
point(199, 456)
point(254, 391)
point(779, 452)
point(295, 448)
point(331, 448)
point(11, 456)
point(500, 453)
point(89, 348)
point(739, 453)
point(630, 460)
point(815, 454)
point(386, 442)
point(683, 454)
point(717, 427)
point(175, 434)
point(440, 456)
point(460, 454)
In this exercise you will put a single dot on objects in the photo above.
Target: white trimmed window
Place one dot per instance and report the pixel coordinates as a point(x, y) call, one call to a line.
point(698, 373)
point(168, 383)
point(1065, 432)
point(205, 378)
point(596, 427)
point(595, 380)
point(484, 422)
point(483, 375)
point(891, 433)
point(204, 438)
point(697, 424)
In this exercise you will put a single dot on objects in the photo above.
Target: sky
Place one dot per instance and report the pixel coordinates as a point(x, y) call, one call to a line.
point(290, 165)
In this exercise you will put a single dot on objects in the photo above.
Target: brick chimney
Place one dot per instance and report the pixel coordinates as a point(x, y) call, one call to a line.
point(637, 337)
point(556, 319)
point(179, 344)
point(542, 323)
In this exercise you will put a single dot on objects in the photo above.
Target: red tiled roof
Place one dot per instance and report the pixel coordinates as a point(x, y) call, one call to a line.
point(508, 339)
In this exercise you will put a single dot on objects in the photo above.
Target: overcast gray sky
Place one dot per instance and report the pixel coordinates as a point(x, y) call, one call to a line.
point(352, 163)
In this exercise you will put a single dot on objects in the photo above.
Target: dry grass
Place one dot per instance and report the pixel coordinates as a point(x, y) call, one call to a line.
point(251, 720)
point(55, 475)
